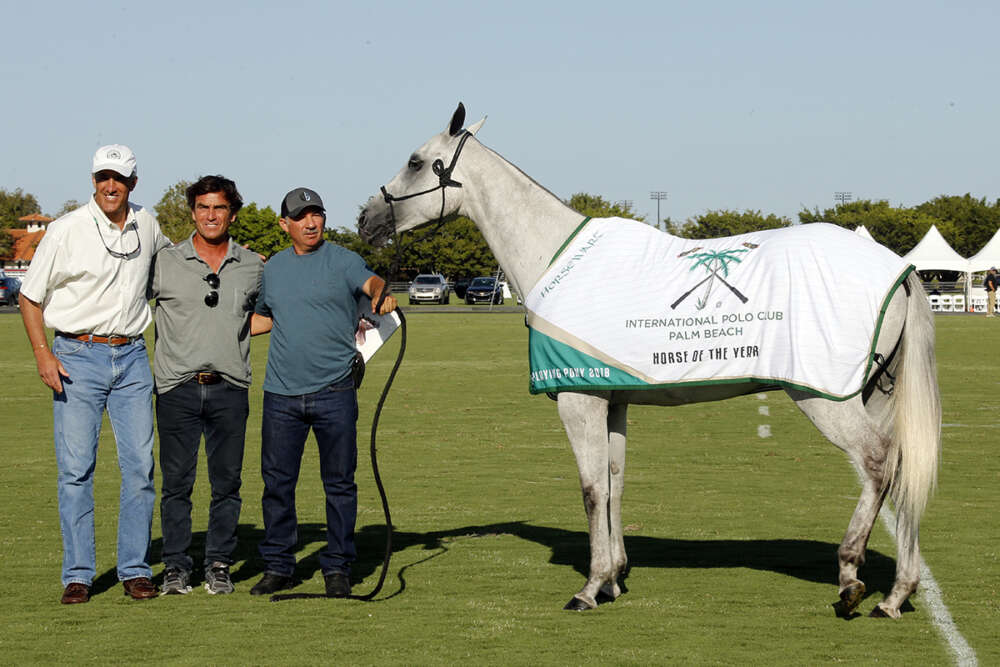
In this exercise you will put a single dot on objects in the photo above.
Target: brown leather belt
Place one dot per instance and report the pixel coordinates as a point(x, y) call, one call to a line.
point(207, 378)
point(106, 340)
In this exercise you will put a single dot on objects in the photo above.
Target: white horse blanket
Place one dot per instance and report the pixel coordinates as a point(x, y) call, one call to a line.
point(624, 306)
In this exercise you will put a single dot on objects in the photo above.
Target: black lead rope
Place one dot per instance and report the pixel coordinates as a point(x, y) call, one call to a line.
point(378, 478)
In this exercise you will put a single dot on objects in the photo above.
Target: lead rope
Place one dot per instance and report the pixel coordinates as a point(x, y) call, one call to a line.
point(378, 478)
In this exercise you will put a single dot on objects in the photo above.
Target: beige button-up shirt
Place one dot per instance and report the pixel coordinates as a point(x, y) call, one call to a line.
point(81, 286)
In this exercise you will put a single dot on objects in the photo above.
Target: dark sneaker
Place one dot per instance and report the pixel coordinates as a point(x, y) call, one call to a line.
point(338, 585)
point(176, 582)
point(217, 581)
point(271, 583)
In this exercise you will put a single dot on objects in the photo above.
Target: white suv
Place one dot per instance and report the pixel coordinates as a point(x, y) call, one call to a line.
point(429, 287)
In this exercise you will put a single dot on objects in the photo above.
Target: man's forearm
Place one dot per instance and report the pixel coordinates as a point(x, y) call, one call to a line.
point(34, 323)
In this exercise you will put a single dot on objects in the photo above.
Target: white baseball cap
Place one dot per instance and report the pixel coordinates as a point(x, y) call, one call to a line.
point(115, 157)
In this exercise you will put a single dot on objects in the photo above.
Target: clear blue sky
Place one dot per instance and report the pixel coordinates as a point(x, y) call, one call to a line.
point(769, 105)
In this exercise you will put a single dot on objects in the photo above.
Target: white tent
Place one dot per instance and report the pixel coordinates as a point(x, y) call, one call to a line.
point(934, 254)
point(861, 230)
point(988, 257)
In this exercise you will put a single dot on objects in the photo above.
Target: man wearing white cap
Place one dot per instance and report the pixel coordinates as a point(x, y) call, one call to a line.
point(87, 281)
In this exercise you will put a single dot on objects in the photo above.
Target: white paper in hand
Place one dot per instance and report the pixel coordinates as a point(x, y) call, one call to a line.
point(373, 330)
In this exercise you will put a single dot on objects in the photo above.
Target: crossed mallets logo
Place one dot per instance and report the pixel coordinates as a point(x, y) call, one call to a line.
point(716, 263)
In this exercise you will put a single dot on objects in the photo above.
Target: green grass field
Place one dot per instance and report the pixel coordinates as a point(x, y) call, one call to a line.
point(732, 537)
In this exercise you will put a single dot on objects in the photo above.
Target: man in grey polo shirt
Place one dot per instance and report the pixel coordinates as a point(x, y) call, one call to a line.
point(205, 288)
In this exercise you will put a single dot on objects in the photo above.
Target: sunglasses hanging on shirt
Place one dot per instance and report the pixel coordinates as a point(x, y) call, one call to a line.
point(212, 298)
point(115, 253)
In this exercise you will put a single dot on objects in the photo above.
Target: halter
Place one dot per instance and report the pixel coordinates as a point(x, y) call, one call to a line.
point(444, 181)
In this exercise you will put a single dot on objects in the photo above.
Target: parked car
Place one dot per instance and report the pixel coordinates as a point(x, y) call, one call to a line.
point(484, 290)
point(429, 288)
point(10, 288)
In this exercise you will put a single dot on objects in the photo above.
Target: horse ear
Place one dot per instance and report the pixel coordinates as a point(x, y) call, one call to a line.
point(472, 129)
point(457, 120)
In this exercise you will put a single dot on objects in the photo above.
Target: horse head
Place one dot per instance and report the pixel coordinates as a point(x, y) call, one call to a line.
point(427, 188)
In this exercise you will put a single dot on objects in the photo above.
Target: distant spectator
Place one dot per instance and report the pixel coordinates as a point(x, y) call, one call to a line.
point(991, 291)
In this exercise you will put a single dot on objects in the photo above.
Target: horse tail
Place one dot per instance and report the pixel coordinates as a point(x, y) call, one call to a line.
point(912, 464)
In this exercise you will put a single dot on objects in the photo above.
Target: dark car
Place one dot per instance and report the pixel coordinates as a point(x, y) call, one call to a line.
point(484, 290)
point(10, 288)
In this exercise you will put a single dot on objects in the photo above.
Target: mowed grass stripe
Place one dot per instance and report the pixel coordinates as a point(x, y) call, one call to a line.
point(732, 538)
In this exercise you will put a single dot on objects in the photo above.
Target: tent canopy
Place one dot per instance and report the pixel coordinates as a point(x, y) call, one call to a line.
point(861, 230)
point(934, 254)
point(988, 257)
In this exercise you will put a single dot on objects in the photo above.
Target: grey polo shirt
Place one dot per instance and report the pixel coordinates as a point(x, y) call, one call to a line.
point(192, 337)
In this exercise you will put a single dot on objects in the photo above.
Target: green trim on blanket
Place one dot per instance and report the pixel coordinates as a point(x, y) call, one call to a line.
point(568, 239)
point(878, 324)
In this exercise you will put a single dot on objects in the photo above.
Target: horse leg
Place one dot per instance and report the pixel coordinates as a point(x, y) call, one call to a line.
point(585, 418)
point(616, 476)
point(848, 426)
point(907, 567)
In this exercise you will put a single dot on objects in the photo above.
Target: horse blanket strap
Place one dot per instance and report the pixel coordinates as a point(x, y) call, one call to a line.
point(624, 306)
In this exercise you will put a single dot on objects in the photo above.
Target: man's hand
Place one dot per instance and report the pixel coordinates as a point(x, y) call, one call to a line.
point(376, 288)
point(50, 369)
point(388, 304)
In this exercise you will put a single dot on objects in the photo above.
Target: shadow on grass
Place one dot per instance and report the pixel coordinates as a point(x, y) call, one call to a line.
point(808, 560)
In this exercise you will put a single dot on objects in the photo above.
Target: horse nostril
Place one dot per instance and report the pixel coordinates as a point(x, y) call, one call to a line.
point(361, 218)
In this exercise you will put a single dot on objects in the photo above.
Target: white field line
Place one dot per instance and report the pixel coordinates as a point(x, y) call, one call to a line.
point(763, 430)
point(930, 592)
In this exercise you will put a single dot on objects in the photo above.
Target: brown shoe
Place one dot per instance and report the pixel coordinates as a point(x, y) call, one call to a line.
point(76, 593)
point(140, 588)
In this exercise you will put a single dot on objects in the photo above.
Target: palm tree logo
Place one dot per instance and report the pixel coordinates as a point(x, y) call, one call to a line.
point(716, 263)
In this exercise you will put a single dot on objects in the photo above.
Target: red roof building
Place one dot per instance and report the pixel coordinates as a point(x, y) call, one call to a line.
point(26, 239)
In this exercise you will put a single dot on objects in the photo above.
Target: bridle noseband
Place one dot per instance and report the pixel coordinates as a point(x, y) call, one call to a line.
point(444, 181)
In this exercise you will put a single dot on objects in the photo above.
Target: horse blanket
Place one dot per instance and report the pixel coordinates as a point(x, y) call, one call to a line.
point(625, 306)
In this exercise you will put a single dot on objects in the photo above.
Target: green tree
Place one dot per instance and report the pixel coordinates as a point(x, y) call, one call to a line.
point(68, 205)
point(14, 205)
point(972, 221)
point(258, 229)
point(898, 229)
point(596, 206)
point(173, 213)
point(713, 224)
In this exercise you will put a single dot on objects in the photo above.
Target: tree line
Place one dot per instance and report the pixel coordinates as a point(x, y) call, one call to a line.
point(457, 249)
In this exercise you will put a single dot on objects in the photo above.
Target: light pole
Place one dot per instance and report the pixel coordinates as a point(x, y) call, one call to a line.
point(658, 195)
point(842, 197)
point(624, 204)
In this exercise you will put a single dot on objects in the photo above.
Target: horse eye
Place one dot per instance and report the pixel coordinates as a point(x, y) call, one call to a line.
point(416, 164)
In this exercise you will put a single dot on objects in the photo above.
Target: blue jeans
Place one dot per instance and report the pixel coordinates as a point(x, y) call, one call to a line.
point(332, 414)
point(116, 378)
point(183, 414)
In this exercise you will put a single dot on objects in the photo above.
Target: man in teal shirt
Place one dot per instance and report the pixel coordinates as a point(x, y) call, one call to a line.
point(311, 293)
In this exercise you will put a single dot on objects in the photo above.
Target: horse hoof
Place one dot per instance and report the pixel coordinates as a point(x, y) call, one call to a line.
point(576, 604)
point(850, 598)
point(879, 612)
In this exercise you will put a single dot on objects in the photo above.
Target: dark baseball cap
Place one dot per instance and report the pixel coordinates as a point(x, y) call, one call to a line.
point(299, 200)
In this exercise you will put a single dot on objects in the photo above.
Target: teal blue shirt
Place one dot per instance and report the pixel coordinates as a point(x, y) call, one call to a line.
point(313, 301)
